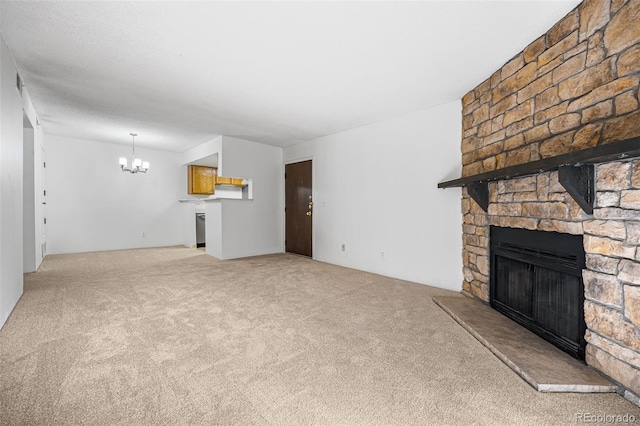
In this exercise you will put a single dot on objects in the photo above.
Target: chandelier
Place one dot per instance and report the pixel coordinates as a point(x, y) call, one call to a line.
point(137, 165)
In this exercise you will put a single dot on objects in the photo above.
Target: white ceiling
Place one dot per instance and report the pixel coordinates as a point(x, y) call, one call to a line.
point(180, 73)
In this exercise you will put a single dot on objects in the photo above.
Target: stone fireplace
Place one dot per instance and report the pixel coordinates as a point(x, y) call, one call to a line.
point(574, 88)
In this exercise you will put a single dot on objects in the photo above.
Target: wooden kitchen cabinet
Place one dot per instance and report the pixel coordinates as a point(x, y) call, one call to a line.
point(201, 180)
point(221, 180)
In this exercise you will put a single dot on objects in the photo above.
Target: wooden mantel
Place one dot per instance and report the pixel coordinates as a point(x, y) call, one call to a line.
point(575, 172)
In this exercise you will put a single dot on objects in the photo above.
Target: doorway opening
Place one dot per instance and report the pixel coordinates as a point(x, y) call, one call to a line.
point(201, 240)
point(28, 197)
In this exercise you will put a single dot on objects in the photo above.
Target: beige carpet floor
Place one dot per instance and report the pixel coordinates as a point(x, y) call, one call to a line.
point(172, 336)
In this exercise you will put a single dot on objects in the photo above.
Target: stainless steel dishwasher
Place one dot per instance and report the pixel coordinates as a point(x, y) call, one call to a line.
point(200, 234)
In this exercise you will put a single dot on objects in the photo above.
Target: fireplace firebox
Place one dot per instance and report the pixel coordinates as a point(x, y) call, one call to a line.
point(536, 280)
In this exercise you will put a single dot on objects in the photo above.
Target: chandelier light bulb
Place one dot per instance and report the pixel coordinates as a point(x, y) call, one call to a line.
point(137, 164)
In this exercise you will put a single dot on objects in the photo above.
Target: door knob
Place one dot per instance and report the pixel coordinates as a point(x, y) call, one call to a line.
point(308, 213)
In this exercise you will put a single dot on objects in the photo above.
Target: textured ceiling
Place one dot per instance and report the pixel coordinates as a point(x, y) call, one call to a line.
point(180, 73)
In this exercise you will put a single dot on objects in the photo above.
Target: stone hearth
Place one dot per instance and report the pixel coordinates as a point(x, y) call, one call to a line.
point(573, 88)
point(545, 367)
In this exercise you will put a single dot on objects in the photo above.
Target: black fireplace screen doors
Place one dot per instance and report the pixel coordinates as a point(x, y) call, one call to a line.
point(536, 280)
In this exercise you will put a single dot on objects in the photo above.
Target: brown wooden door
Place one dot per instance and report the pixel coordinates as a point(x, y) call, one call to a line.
point(298, 208)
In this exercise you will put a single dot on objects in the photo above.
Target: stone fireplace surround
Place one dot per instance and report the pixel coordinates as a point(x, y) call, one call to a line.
point(573, 88)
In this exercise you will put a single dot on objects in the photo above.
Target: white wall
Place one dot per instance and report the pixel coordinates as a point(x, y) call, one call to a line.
point(11, 181)
point(204, 150)
point(92, 205)
point(213, 228)
point(189, 224)
point(14, 110)
point(375, 190)
point(253, 227)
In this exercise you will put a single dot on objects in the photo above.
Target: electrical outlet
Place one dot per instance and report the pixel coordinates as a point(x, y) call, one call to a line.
point(382, 255)
point(143, 235)
point(343, 247)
